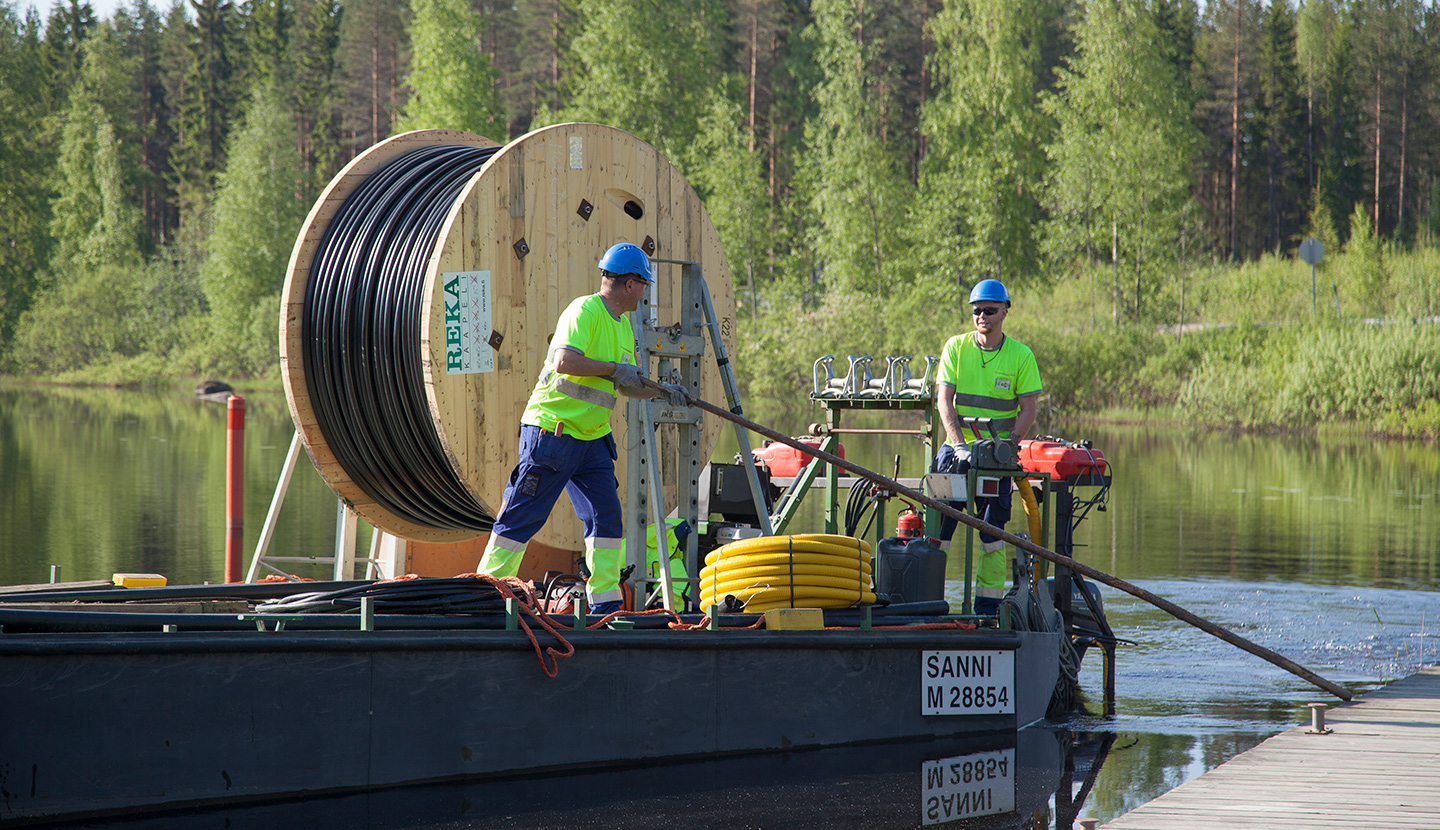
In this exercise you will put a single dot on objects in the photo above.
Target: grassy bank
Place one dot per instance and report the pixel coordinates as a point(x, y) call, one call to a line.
point(1218, 346)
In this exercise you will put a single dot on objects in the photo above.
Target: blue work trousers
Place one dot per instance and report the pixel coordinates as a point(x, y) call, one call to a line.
point(550, 463)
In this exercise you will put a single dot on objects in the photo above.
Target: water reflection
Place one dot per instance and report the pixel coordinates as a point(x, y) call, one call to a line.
point(1327, 551)
point(100, 481)
point(1039, 778)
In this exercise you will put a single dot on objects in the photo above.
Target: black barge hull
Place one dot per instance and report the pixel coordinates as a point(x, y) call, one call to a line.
point(101, 724)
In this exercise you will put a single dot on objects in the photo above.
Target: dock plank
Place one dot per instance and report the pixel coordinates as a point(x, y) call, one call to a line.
point(1379, 769)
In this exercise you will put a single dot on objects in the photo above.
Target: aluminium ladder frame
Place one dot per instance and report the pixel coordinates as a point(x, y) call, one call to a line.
point(683, 343)
point(383, 546)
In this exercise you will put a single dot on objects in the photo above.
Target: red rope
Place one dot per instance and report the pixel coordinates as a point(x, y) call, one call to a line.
point(524, 593)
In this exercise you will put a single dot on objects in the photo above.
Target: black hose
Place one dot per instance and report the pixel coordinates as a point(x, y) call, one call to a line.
point(361, 336)
point(458, 595)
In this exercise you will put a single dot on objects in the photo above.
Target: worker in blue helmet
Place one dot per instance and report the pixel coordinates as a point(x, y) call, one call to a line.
point(565, 438)
point(985, 374)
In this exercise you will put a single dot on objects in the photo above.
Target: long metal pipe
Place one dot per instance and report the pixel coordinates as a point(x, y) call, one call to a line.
point(1025, 544)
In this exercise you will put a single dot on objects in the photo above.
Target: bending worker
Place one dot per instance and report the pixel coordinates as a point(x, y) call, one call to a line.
point(565, 438)
point(985, 374)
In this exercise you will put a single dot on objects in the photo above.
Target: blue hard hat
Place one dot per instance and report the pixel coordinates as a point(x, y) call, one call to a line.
point(990, 291)
point(624, 259)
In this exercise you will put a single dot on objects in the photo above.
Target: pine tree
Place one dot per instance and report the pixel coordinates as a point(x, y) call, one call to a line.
point(265, 38)
point(25, 165)
point(66, 31)
point(451, 82)
point(371, 62)
point(1227, 85)
point(1338, 168)
point(150, 125)
point(1314, 24)
point(207, 105)
point(94, 220)
point(1281, 127)
point(317, 38)
point(528, 42)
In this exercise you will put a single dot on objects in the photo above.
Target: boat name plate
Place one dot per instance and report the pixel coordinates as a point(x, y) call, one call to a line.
point(967, 683)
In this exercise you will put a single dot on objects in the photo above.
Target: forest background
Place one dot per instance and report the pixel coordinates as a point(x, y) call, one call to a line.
point(1138, 172)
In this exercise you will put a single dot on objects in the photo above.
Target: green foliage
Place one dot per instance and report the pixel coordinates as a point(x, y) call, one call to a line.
point(452, 85)
point(727, 178)
point(862, 197)
point(1376, 375)
point(88, 316)
point(26, 161)
point(985, 164)
point(863, 163)
point(1365, 267)
point(1280, 131)
point(1337, 142)
point(267, 42)
point(257, 215)
point(209, 100)
point(94, 222)
point(649, 68)
point(1118, 185)
point(317, 37)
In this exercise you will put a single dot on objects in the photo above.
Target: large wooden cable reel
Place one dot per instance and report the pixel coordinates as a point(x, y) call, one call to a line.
point(519, 243)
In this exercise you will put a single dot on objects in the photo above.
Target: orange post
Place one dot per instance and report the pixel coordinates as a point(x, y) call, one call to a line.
point(234, 488)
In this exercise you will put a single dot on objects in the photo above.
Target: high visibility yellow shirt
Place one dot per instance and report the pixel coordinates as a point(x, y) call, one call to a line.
point(989, 384)
point(582, 404)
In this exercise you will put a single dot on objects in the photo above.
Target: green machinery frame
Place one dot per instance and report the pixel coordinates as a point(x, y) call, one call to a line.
point(933, 434)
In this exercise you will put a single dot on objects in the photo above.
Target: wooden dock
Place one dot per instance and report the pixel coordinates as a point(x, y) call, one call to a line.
point(1378, 769)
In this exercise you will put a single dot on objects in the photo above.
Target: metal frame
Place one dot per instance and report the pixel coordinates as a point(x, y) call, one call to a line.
point(384, 548)
point(674, 355)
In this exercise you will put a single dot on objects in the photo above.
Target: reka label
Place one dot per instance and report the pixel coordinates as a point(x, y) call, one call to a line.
point(467, 323)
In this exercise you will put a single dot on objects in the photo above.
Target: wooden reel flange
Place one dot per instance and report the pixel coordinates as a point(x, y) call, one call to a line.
point(520, 242)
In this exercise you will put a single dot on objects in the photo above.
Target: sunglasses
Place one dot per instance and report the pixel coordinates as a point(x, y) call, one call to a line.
point(988, 311)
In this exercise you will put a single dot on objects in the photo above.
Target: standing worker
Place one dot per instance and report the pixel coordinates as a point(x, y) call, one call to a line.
point(985, 374)
point(565, 438)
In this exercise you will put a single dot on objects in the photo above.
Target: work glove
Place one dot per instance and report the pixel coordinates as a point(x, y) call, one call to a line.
point(675, 394)
point(627, 376)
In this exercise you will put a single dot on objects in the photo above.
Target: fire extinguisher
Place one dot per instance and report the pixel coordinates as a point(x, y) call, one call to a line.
point(909, 523)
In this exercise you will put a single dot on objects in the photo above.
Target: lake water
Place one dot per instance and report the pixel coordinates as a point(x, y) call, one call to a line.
point(1324, 551)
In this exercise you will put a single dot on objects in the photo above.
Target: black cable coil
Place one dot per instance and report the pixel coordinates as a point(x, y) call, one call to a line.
point(415, 596)
point(361, 335)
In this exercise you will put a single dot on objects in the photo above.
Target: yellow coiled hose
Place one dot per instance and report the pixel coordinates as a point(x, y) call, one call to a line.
point(807, 570)
point(1032, 508)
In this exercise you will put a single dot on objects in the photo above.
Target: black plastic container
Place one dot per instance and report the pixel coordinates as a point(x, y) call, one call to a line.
point(910, 570)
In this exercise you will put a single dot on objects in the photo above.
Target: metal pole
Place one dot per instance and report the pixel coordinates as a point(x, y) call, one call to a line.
point(1025, 544)
point(1312, 291)
point(732, 397)
point(657, 516)
point(234, 487)
point(267, 530)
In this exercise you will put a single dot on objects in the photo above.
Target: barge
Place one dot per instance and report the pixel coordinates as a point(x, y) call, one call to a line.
point(117, 711)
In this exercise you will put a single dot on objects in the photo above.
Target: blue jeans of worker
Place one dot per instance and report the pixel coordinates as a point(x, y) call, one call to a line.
point(549, 464)
point(995, 511)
